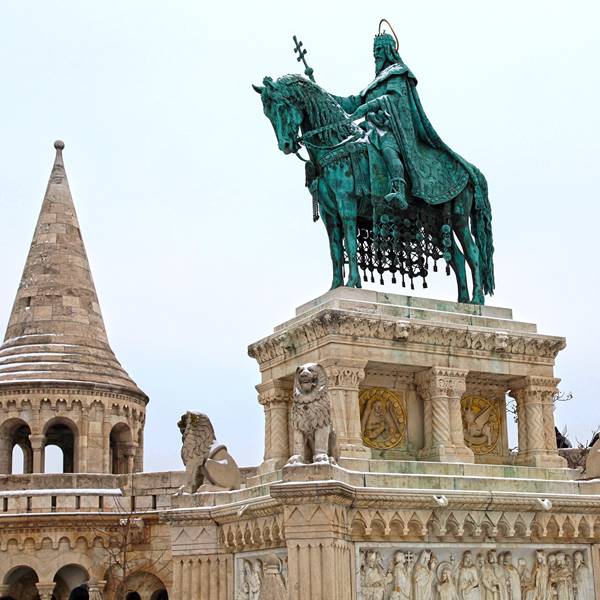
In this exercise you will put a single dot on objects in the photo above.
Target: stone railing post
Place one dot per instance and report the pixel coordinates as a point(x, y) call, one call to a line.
point(441, 389)
point(275, 397)
point(535, 420)
point(344, 381)
point(37, 447)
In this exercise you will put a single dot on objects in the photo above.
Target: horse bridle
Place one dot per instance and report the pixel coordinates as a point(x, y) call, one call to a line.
point(302, 140)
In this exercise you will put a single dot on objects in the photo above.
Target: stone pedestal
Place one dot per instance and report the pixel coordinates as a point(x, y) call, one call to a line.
point(461, 358)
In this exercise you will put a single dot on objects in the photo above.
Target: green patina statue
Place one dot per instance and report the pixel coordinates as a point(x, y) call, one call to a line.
point(392, 195)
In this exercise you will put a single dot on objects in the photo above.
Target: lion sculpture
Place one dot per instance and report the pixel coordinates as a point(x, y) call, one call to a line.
point(208, 465)
point(313, 435)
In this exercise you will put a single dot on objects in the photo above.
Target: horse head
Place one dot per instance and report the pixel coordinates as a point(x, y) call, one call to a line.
point(284, 114)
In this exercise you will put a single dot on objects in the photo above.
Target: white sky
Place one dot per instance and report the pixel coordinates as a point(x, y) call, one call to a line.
point(199, 230)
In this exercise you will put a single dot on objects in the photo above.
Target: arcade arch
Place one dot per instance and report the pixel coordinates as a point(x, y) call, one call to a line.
point(22, 583)
point(121, 449)
point(15, 443)
point(62, 432)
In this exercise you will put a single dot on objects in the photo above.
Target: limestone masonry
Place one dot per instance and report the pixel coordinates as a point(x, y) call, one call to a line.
point(387, 471)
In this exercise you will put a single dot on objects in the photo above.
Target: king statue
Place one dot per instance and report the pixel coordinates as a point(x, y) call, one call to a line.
point(382, 178)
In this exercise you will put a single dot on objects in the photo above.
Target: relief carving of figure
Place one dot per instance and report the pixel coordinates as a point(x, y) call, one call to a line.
point(273, 586)
point(468, 578)
point(446, 590)
point(422, 577)
point(561, 578)
point(208, 465)
point(314, 438)
point(582, 577)
point(490, 581)
point(401, 581)
point(512, 577)
point(539, 576)
point(251, 581)
point(374, 578)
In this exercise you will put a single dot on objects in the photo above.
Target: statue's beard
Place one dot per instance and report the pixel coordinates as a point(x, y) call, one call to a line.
point(379, 65)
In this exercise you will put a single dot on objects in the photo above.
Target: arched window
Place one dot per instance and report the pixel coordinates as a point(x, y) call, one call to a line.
point(121, 449)
point(61, 433)
point(16, 454)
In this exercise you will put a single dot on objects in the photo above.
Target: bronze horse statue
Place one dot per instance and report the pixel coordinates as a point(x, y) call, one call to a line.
point(365, 228)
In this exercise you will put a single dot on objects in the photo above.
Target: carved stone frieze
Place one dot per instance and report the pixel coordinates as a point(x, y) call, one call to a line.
point(336, 322)
point(503, 572)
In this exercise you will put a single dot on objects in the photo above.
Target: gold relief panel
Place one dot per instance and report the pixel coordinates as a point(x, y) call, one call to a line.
point(481, 423)
point(382, 418)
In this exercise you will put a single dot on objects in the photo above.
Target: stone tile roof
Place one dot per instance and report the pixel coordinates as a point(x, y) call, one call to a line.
point(56, 333)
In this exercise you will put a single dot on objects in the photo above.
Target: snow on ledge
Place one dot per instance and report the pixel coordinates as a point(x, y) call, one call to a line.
point(64, 492)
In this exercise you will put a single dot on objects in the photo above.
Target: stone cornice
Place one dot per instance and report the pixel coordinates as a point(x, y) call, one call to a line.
point(332, 322)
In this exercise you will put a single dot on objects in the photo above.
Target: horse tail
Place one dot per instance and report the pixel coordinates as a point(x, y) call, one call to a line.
point(481, 227)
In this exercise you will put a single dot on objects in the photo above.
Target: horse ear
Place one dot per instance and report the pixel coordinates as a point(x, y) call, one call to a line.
point(268, 82)
point(258, 88)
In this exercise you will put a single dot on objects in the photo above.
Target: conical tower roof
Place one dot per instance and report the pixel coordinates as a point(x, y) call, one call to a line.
point(56, 334)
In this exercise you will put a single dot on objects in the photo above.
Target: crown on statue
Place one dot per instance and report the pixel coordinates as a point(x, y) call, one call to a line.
point(384, 40)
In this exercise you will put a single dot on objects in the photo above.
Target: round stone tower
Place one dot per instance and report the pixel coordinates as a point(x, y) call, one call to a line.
point(60, 382)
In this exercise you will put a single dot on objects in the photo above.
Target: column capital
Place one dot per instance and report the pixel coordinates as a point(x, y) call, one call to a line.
point(534, 383)
point(274, 391)
point(45, 590)
point(345, 376)
point(442, 381)
point(37, 440)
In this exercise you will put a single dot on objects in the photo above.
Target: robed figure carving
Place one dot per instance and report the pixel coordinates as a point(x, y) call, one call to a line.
point(393, 196)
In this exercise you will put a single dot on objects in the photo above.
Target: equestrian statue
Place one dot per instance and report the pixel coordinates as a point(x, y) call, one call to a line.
point(393, 196)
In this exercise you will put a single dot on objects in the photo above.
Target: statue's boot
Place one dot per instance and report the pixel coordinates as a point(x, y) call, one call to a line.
point(398, 193)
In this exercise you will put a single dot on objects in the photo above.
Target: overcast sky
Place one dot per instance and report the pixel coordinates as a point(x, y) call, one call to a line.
point(199, 230)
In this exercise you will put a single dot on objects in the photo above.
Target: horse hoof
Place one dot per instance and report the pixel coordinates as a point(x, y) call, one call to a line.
point(354, 283)
point(478, 298)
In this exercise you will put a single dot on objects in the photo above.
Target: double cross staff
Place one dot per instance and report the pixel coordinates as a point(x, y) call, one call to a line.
point(308, 71)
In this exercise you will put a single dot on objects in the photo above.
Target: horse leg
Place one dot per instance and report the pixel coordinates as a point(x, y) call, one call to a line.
point(461, 209)
point(348, 209)
point(458, 266)
point(336, 249)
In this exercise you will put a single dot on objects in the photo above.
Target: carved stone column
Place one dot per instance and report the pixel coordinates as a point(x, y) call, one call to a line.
point(45, 590)
point(5, 453)
point(37, 447)
point(275, 396)
point(535, 419)
point(344, 381)
point(96, 589)
point(441, 389)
